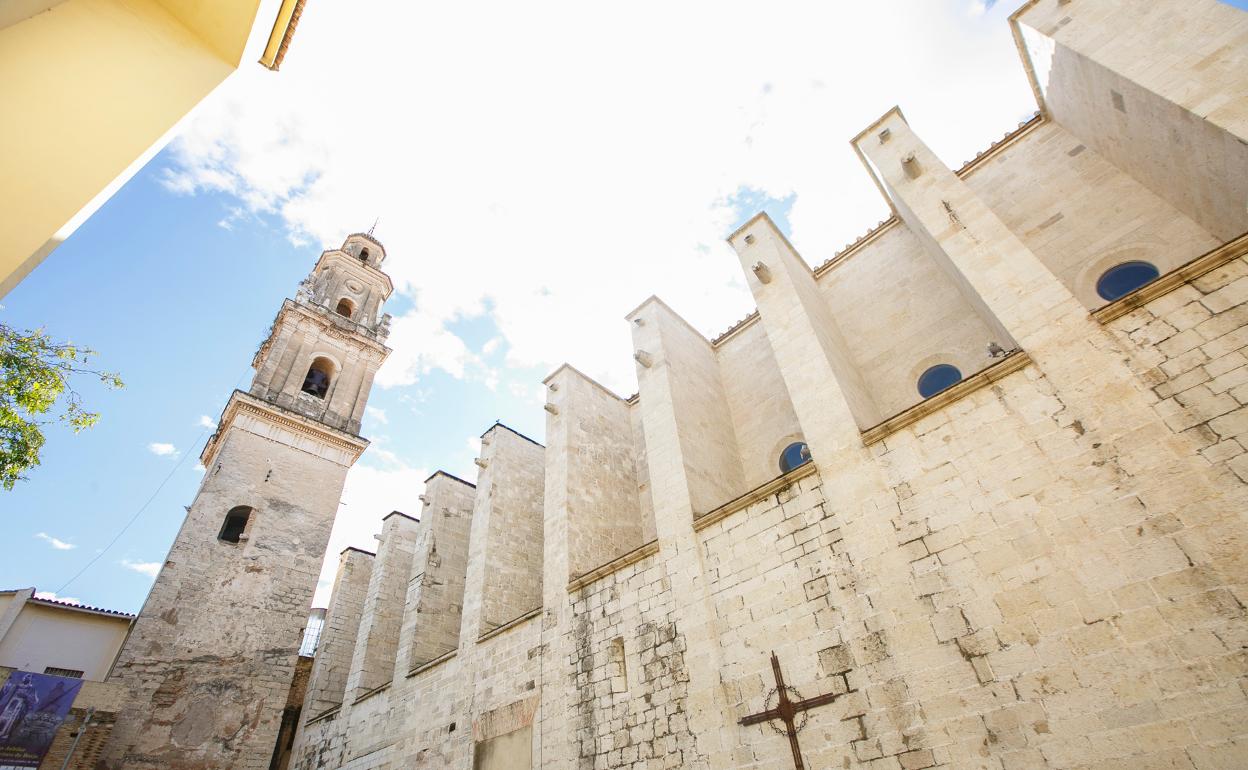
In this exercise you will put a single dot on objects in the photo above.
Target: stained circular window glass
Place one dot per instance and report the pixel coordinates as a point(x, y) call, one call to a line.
point(794, 454)
point(938, 378)
point(1123, 279)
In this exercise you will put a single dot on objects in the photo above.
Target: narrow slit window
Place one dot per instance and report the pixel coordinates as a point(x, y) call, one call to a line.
point(235, 524)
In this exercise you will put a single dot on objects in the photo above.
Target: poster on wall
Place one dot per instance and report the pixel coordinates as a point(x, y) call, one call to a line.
point(32, 707)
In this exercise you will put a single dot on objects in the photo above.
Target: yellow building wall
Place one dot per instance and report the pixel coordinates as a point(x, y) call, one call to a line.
point(87, 88)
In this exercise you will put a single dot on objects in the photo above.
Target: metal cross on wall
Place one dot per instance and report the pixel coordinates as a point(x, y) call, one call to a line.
point(786, 710)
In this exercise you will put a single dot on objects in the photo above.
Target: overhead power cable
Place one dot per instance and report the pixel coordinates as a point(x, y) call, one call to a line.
point(189, 452)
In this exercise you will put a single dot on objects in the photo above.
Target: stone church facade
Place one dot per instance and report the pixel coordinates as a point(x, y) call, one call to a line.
point(969, 494)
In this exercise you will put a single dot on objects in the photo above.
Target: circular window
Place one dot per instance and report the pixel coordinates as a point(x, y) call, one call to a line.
point(794, 454)
point(1123, 279)
point(938, 378)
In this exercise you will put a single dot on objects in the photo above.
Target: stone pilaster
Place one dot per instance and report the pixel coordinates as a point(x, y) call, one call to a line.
point(693, 467)
point(328, 681)
point(377, 643)
point(435, 593)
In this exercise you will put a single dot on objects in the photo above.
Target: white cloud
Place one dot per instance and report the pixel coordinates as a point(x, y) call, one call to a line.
point(376, 485)
point(53, 597)
point(538, 172)
point(149, 568)
point(558, 191)
point(377, 414)
point(162, 450)
point(56, 543)
point(207, 422)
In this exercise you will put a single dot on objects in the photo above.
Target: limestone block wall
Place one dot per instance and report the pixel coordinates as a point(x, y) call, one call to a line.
point(203, 688)
point(377, 643)
point(1191, 346)
point(436, 717)
point(433, 612)
point(762, 415)
point(628, 663)
point(901, 314)
point(327, 684)
point(687, 385)
point(1175, 118)
point(1079, 213)
point(506, 558)
point(644, 499)
point(589, 445)
point(1022, 612)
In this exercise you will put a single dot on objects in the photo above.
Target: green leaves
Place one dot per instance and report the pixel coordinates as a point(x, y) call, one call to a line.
point(35, 373)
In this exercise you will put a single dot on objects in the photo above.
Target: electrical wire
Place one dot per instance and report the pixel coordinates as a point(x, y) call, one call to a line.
point(190, 451)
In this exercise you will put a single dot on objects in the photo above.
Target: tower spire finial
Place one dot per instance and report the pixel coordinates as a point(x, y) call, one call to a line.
point(374, 227)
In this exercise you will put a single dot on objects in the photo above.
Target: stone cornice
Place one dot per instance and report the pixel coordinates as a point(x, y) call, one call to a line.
point(583, 376)
point(1210, 260)
point(493, 632)
point(423, 667)
point(615, 565)
point(756, 494)
point(354, 264)
point(327, 714)
point(328, 325)
point(370, 693)
point(286, 427)
point(1006, 366)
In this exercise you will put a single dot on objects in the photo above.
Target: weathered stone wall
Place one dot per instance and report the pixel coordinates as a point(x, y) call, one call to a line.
point(692, 383)
point(433, 611)
point(642, 466)
point(377, 642)
point(508, 507)
point(1043, 567)
point(1191, 346)
point(1079, 214)
point(210, 660)
point(328, 683)
point(433, 718)
point(1170, 118)
point(629, 672)
point(591, 445)
point(203, 690)
point(915, 318)
point(762, 417)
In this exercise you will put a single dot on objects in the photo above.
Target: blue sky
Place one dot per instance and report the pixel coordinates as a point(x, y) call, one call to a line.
point(178, 304)
point(525, 208)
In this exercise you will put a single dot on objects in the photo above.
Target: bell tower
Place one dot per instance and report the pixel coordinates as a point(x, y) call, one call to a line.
point(209, 661)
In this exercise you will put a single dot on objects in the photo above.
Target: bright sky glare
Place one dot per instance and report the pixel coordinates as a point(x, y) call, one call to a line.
point(537, 170)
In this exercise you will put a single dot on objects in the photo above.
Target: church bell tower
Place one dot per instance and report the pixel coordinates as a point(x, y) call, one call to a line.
point(209, 661)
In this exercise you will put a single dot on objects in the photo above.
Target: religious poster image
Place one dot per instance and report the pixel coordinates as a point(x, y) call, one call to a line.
point(32, 707)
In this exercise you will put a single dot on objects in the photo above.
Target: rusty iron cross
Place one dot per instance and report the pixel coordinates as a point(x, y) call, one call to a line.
point(786, 710)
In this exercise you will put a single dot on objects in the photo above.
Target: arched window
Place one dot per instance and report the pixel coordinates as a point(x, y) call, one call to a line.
point(1125, 278)
point(363, 255)
point(938, 378)
point(794, 454)
point(235, 524)
point(345, 308)
point(319, 375)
